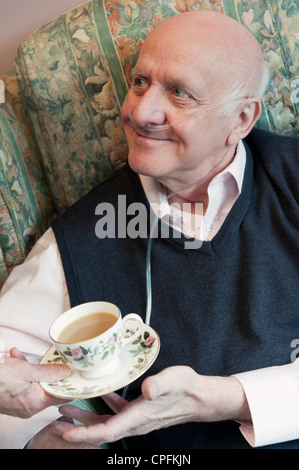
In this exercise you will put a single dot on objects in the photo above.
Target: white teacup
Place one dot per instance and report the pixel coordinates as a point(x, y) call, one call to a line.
point(90, 337)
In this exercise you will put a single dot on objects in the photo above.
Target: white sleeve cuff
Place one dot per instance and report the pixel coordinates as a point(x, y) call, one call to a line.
point(273, 398)
point(16, 432)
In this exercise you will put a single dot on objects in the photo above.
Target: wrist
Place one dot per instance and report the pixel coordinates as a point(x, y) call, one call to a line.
point(221, 399)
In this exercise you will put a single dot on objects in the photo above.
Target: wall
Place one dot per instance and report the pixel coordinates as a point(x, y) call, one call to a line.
point(19, 18)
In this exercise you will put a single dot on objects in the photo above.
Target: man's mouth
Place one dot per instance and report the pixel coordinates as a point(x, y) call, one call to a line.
point(152, 135)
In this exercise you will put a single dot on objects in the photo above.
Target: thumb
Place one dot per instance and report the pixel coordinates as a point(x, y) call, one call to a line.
point(159, 384)
point(41, 372)
point(170, 381)
point(47, 372)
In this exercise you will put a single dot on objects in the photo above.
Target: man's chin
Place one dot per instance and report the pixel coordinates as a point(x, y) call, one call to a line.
point(149, 166)
point(140, 168)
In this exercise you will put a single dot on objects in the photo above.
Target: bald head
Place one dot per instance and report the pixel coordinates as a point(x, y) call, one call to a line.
point(225, 48)
point(186, 73)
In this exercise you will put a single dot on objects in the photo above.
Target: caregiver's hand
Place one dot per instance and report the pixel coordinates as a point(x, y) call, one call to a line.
point(21, 393)
point(174, 396)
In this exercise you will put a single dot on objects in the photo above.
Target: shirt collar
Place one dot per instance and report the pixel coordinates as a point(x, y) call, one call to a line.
point(156, 195)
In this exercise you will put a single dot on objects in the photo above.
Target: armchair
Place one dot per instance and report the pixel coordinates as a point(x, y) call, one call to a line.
point(60, 126)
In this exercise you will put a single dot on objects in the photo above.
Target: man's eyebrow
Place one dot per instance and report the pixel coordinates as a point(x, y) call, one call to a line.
point(186, 85)
point(135, 72)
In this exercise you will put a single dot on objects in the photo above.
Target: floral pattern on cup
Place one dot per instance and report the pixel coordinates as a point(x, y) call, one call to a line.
point(86, 356)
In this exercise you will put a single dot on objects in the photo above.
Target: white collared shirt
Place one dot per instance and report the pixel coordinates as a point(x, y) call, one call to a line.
point(223, 191)
point(36, 293)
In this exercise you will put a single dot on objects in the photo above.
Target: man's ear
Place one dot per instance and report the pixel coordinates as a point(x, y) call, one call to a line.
point(246, 119)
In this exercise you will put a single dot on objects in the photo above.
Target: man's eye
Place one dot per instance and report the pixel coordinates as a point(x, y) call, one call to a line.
point(178, 93)
point(139, 82)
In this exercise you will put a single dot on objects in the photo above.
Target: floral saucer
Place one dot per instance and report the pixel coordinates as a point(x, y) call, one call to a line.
point(135, 359)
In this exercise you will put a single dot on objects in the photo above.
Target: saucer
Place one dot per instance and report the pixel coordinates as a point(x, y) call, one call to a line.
point(135, 359)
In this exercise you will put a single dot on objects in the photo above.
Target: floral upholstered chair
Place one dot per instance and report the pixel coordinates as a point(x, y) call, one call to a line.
point(60, 126)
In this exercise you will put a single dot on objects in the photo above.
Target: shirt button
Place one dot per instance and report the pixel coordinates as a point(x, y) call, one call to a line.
point(209, 227)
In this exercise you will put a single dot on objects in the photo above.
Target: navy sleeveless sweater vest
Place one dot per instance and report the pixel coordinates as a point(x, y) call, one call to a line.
point(229, 306)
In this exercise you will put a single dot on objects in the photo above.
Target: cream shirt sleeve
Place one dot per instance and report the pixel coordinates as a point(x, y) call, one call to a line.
point(273, 397)
point(33, 296)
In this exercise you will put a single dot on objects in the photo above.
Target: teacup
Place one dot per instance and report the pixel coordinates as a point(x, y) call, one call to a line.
point(91, 336)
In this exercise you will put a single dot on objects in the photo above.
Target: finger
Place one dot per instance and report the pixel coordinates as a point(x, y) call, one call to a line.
point(130, 421)
point(16, 354)
point(157, 385)
point(115, 402)
point(64, 419)
point(48, 372)
point(169, 381)
point(41, 372)
point(83, 416)
point(150, 388)
point(60, 427)
point(96, 434)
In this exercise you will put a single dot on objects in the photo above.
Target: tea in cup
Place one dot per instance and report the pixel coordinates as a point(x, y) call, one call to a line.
point(91, 336)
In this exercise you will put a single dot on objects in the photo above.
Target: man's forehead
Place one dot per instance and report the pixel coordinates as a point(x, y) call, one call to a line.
point(165, 59)
point(172, 63)
point(209, 43)
point(172, 48)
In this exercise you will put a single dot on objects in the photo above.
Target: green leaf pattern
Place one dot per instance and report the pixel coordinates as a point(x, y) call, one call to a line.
point(88, 356)
point(60, 125)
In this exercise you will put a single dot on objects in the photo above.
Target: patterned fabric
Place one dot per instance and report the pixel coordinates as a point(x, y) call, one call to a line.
point(275, 24)
point(74, 74)
point(26, 207)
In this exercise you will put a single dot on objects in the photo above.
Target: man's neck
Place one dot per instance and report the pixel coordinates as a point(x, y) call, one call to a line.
point(198, 191)
point(199, 194)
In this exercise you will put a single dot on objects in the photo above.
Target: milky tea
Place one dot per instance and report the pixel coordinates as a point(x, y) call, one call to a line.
point(87, 327)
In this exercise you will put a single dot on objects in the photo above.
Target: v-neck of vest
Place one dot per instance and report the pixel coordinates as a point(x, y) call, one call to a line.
point(230, 225)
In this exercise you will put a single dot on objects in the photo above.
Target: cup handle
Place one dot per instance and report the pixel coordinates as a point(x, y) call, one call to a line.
point(132, 318)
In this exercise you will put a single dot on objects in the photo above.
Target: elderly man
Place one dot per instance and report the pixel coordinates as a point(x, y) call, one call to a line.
point(226, 310)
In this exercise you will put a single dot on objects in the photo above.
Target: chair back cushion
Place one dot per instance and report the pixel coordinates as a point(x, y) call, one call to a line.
point(60, 128)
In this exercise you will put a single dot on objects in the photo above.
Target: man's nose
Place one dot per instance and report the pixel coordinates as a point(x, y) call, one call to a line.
point(148, 109)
